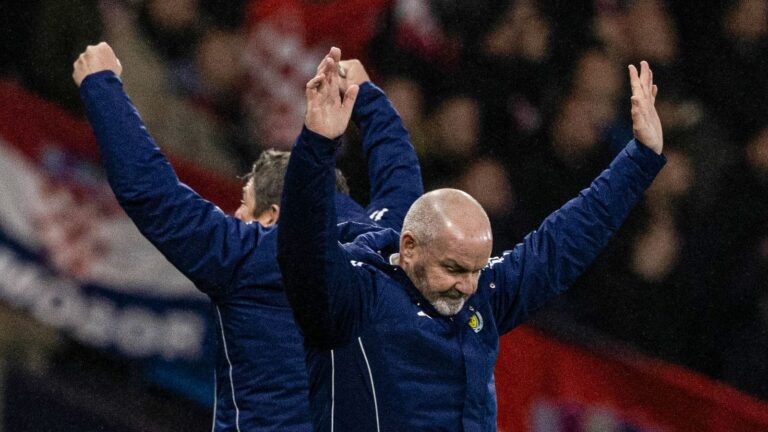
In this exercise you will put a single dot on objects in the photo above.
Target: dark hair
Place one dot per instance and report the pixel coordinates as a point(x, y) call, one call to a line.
point(267, 175)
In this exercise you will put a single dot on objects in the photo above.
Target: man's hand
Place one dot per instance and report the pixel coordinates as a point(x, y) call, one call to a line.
point(352, 72)
point(645, 121)
point(96, 58)
point(327, 114)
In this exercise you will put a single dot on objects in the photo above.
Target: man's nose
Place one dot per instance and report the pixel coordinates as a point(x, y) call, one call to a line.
point(465, 284)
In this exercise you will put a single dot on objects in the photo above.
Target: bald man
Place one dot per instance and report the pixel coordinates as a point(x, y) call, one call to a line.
point(425, 308)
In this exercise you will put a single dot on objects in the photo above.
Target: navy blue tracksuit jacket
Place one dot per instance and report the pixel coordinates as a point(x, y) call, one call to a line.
point(421, 371)
point(261, 379)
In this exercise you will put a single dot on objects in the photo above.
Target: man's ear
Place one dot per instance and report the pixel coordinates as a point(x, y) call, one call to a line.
point(407, 244)
point(269, 216)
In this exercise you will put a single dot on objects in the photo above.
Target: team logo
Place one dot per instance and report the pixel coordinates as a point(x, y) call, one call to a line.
point(476, 322)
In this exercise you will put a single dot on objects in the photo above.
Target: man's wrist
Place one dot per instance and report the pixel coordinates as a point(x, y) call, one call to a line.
point(315, 138)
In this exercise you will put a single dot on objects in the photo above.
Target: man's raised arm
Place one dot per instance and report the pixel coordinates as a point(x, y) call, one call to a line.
point(550, 259)
point(322, 285)
point(393, 167)
point(195, 235)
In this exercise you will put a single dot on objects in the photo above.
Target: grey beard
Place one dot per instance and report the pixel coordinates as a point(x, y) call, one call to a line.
point(443, 304)
point(447, 307)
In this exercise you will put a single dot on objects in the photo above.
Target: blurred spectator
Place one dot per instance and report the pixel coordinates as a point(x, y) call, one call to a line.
point(731, 65)
point(52, 34)
point(180, 128)
point(521, 32)
point(488, 182)
point(691, 127)
point(652, 34)
point(643, 288)
point(577, 151)
point(637, 30)
point(217, 59)
point(657, 248)
point(225, 14)
point(413, 40)
point(16, 31)
point(732, 331)
point(407, 97)
point(221, 78)
point(609, 27)
point(511, 69)
point(453, 132)
point(285, 39)
point(172, 26)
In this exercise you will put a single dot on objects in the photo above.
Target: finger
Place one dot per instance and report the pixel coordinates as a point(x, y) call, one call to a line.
point(330, 70)
point(645, 77)
point(316, 81)
point(638, 119)
point(313, 87)
point(349, 99)
point(79, 63)
point(335, 83)
point(655, 92)
point(634, 81)
point(650, 78)
point(335, 54)
point(322, 66)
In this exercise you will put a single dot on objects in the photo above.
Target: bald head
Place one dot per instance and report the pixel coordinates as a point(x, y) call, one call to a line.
point(445, 242)
point(447, 212)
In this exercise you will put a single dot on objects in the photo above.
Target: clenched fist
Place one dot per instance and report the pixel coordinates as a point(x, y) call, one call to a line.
point(95, 58)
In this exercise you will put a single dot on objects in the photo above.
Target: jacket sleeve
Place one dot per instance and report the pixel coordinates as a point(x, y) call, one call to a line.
point(550, 259)
point(201, 241)
point(393, 167)
point(329, 293)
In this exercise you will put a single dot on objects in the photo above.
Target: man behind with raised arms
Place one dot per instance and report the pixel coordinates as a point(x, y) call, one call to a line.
point(261, 378)
point(427, 307)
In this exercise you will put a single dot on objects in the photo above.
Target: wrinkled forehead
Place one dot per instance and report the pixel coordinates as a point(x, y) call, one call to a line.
point(471, 248)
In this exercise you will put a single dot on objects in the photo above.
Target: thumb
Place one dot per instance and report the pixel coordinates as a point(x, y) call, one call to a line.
point(349, 98)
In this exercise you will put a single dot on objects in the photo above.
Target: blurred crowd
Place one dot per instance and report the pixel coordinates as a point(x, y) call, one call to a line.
point(518, 102)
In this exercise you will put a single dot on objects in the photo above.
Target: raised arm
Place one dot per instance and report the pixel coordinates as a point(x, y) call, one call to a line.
point(549, 260)
point(206, 245)
point(322, 286)
point(393, 167)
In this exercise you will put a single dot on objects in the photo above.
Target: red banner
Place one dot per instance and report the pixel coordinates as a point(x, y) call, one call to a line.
point(547, 385)
point(32, 123)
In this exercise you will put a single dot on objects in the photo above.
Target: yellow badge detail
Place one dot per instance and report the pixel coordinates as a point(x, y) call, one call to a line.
point(476, 322)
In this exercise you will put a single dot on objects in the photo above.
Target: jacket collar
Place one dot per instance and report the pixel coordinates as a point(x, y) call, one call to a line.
point(375, 246)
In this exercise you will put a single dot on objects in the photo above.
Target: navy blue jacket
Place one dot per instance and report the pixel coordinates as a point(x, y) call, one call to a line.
point(261, 375)
point(420, 370)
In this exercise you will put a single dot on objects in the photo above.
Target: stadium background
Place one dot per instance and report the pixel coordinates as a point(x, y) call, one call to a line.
point(519, 102)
